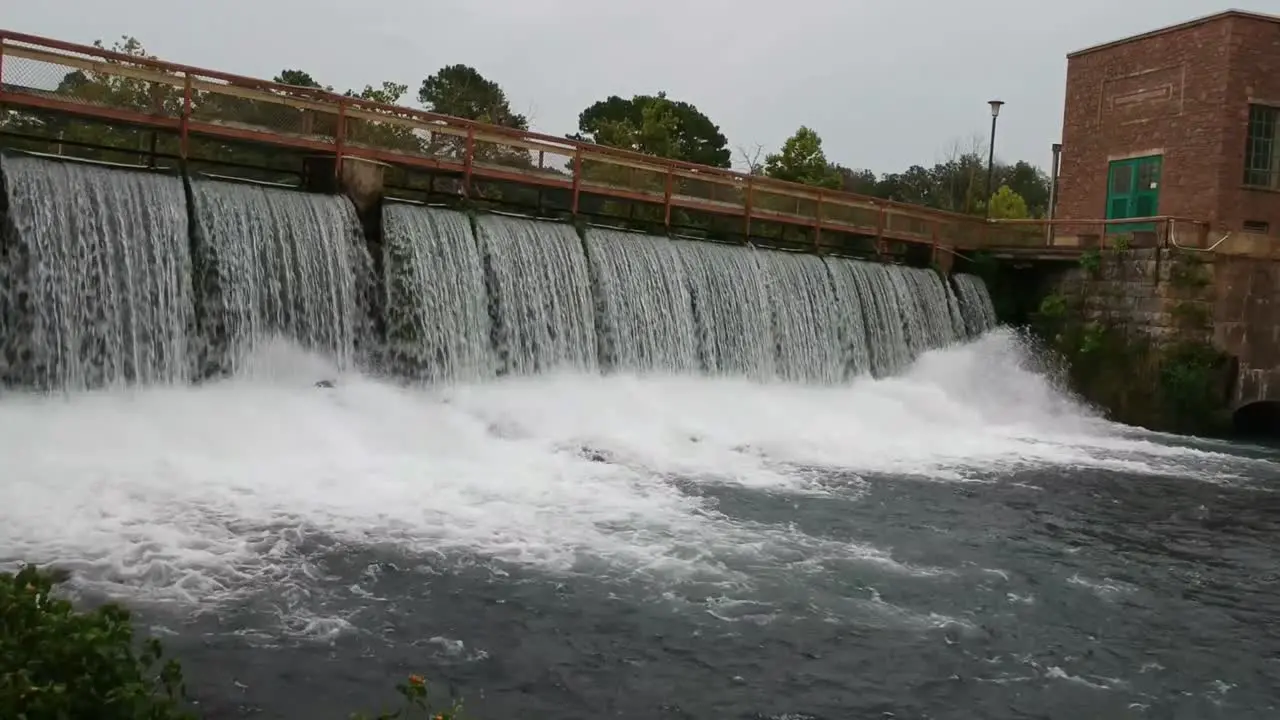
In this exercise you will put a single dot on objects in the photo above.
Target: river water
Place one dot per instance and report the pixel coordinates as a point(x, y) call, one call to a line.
point(959, 541)
point(612, 476)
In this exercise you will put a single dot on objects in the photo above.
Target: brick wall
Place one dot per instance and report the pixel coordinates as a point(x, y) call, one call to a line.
point(1255, 62)
point(1183, 94)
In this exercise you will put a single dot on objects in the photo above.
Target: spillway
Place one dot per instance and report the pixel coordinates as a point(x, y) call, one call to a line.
point(438, 322)
point(704, 480)
point(277, 262)
point(118, 277)
point(95, 276)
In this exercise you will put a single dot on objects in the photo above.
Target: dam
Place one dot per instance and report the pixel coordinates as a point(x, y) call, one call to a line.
point(120, 276)
point(655, 441)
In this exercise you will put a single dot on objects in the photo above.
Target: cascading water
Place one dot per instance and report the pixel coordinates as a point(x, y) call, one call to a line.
point(976, 308)
point(278, 262)
point(539, 294)
point(861, 326)
point(643, 303)
point(438, 324)
point(95, 276)
point(731, 309)
point(697, 533)
point(806, 318)
point(935, 306)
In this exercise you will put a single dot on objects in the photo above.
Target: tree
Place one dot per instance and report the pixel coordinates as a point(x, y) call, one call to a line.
point(299, 78)
point(383, 135)
point(655, 125)
point(802, 160)
point(1030, 182)
point(1008, 205)
point(461, 91)
point(862, 182)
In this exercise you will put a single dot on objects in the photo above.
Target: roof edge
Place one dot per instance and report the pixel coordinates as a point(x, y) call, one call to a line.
point(1203, 20)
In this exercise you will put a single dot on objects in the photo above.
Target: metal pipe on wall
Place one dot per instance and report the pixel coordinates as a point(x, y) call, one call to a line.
point(1053, 192)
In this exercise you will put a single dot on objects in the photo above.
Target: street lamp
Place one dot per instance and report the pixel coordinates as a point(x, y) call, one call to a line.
point(991, 150)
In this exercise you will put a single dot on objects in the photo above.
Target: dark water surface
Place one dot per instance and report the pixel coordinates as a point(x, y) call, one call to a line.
point(1037, 594)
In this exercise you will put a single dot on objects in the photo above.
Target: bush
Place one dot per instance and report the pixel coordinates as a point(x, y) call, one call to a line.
point(57, 663)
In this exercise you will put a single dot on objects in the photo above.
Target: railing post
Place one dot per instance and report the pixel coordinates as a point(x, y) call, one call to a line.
point(340, 140)
point(881, 219)
point(468, 161)
point(817, 225)
point(746, 220)
point(577, 179)
point(666, 197)
point(184, 124)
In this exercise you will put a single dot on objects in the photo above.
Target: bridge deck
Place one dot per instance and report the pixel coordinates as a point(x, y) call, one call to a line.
point(41, 78)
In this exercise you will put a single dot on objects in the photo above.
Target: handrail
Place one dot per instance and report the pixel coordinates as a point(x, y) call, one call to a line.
point(464, 127)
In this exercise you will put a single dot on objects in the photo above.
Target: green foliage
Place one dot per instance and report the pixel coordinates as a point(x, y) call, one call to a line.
point(1189, 272)
point(802, 160)
point(461, 91)
point(1192, 316)
point(417, 704)
point(299, 78)
point(1053, 307)
point(1091, 261)
point(1120, 243)
point(58, 663)
point(1091, 340)
point(1008, 205)
point(1192, 383)
point(655, 125)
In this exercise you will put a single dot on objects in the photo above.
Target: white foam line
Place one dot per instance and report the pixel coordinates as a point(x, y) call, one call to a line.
point(201, 491)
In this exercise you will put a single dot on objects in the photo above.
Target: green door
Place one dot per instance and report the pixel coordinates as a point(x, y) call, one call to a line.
point(1133, 191)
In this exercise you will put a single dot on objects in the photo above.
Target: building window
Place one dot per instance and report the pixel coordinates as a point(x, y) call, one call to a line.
point(1133, 191)
point(1262, 151)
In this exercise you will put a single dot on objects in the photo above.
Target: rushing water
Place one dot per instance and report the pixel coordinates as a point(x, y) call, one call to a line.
point(643, 296)
point(278, 262)
point(958, 541)
point(438, 315)
point(540, 295)
point(95, 276)
point(658, 478)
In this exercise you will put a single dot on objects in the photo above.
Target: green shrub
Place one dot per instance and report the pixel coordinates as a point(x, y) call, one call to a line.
point(58, 663)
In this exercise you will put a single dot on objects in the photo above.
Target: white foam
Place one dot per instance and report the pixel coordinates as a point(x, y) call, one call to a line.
point(199, 492)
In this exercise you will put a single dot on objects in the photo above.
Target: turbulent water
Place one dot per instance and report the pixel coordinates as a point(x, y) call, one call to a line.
point(95, 276)
point(275, 262)
point(436, 300)
point(650, 478)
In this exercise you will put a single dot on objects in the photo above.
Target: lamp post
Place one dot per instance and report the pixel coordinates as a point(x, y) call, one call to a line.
point(991, 153)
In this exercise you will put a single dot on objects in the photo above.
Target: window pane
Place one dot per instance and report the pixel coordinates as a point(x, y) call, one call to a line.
point(1148, 174)
point(1119, 208)
point(1262, 147)
point(1122, 179)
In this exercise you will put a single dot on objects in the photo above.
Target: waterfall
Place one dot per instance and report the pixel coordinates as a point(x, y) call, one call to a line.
point(271, 262)
point(539, 295)
point(95, 276)
point(863, 316)
point(643, 305)
point(978, 312)
point(438, 325)
point(731, 310)
point(806, 318)
point(105, 284)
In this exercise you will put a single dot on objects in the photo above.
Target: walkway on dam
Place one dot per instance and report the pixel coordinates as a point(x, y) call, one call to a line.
point(191, 113)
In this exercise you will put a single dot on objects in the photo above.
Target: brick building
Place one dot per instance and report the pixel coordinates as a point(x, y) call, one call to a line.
point(1181, 121)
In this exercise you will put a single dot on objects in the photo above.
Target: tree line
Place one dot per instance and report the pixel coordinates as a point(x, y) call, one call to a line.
point(651, 124)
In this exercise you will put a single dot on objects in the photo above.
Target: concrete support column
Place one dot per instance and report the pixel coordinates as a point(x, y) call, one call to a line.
point(360, 179)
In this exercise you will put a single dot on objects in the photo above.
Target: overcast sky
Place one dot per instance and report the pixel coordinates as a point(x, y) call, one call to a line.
point(887, 83)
